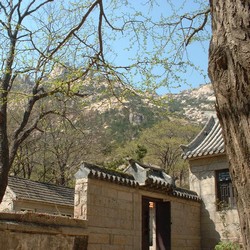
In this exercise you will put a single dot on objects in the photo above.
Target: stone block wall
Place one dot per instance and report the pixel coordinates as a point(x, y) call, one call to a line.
point(38, 231)
point(114, 216)
point(185, 225)
point(112, 212)
point(108, 215)
point(202, 181)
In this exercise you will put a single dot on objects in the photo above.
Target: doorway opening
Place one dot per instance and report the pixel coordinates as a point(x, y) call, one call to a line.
point(156, 224)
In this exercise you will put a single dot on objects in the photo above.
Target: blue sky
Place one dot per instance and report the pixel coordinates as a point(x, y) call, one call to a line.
point(197, 51)
point(182, 76)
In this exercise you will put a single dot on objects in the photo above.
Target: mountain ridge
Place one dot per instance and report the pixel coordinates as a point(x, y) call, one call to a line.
point(195, 105)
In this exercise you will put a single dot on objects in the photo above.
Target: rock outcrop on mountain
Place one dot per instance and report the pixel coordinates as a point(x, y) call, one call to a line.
point(195, 105)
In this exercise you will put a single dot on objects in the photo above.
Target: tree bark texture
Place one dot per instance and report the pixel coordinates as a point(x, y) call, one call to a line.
point(229, 70)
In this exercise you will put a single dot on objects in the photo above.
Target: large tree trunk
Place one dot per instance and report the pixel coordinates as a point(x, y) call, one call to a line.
point(229, 70)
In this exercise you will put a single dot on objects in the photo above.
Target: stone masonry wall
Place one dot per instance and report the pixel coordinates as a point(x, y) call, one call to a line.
point(7, 203)
point(202, 181)
point(38, 231)
point(185, 225)
point(112, 212)
point(114, 216)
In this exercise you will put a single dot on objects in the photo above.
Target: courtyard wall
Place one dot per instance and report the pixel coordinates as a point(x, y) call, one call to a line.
point(29, 231)
point(113, 213)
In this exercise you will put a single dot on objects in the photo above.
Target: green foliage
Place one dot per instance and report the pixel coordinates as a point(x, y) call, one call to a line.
point(105, 134)
point(52, 65)
point(175, 106)
point(160, 145)
point(141, 152)
point(227, 245)
point(114, 164)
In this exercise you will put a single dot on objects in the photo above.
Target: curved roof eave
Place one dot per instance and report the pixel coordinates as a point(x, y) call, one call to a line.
point(207, 143)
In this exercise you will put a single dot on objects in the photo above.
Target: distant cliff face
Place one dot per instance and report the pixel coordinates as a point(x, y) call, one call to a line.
point(196, 105)
point(136, 118)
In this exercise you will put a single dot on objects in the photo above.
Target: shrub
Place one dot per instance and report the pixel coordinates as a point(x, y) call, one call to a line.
point(227, 245)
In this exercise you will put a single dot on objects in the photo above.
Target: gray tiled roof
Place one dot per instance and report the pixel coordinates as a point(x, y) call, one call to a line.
point(208, 142)
point(185, 193)
point(156, 179)
point(154, 175)
point(92, 171)
point(38, 191)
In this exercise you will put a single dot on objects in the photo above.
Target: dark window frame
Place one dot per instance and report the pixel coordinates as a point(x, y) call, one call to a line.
point(225, 198)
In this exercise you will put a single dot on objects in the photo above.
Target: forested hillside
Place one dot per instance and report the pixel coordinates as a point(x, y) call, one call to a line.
point(106, 129)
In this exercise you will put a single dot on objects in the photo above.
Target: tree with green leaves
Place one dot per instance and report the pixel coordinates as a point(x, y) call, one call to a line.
point(48, 48)
point(38, 35)
point(53, 153)
point(160, 145)
point(53, 48)
point(32, 42)
point(163, 142)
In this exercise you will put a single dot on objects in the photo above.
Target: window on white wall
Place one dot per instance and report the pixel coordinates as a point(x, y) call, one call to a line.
point(225, 193)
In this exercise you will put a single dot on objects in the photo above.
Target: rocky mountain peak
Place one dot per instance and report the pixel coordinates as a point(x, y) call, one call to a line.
point(196, 104)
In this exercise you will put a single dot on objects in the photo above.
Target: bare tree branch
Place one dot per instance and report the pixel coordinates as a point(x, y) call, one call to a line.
point(73, 30)
point(4, 9)
point(23, 134)
point(201, 27)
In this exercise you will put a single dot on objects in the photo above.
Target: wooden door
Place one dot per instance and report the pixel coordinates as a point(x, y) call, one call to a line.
point(163, 225)
point(145, 224)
